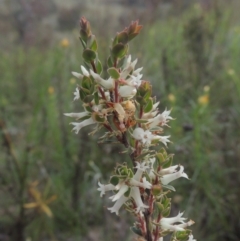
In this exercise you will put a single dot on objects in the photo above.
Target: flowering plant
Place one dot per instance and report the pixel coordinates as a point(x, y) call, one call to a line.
point(123, 105)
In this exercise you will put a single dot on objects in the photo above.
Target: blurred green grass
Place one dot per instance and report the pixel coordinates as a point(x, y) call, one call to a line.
point(182, 56)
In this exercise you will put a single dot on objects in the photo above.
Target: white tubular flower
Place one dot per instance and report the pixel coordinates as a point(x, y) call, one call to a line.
point(134, 81)
point(107, 84)
point(128, 68)
point(163, 139)
point(104, 188)
point(84, 71)
point(169, 170)
point(187, 224)
point(127, 91)
point(137, 71)
point(168, 223)
point(141, 167)
point(135, 194)
point(160, 119)
point(190, 238)
point(79, 125)
point(77, 115)
point(165, 179)
point(140, 135)
point(76, 94)
point(146, 137)
point(144, 184)
point(77, 75)
point(120, 193)
point(118, 204)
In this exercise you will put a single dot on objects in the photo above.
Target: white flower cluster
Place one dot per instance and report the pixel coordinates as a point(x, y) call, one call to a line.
point(124, 106)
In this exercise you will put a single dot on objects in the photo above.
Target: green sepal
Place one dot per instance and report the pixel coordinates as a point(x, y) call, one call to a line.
point(136, 231)
point(98, 65)
point(114, 180)
point(160, 207)
point(89, 55)
point(119, 50)
point(96, 98)
point(149, 105)
point(182, 235)
point(113, 72)
point(166, 212)
point(83, 42)
point(166, 202)
point(122, 38)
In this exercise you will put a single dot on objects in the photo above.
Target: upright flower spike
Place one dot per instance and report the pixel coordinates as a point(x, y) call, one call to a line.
point(122, 104)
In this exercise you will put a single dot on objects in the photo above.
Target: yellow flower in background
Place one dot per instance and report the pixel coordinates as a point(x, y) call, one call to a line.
point(206, 88)
point(64, 43)
point(203, 99)
point(50, 90)
point(172, 98)
point(39, 202)
point(231, 72)
point(72, 81)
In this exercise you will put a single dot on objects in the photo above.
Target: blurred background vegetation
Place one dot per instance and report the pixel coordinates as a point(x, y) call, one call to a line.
point(190, 51)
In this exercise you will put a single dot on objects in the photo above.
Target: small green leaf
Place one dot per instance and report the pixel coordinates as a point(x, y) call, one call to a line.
point(89, 55)
point(119, 50)
point(114, 180)
point(113, 72)
point(132, 36)
point(160, 207)
point(99, 66)
point(168, 161)
point(82, 94)
point(86, 83)
point(110, 62)
point(84, 35)
point(123, 38)
point(88, 108)
point(96, 98)
point(160, 158)
point(93, 44)
point(88, 98)
point(115, 40)
point(136, 231)
point(83, 42)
